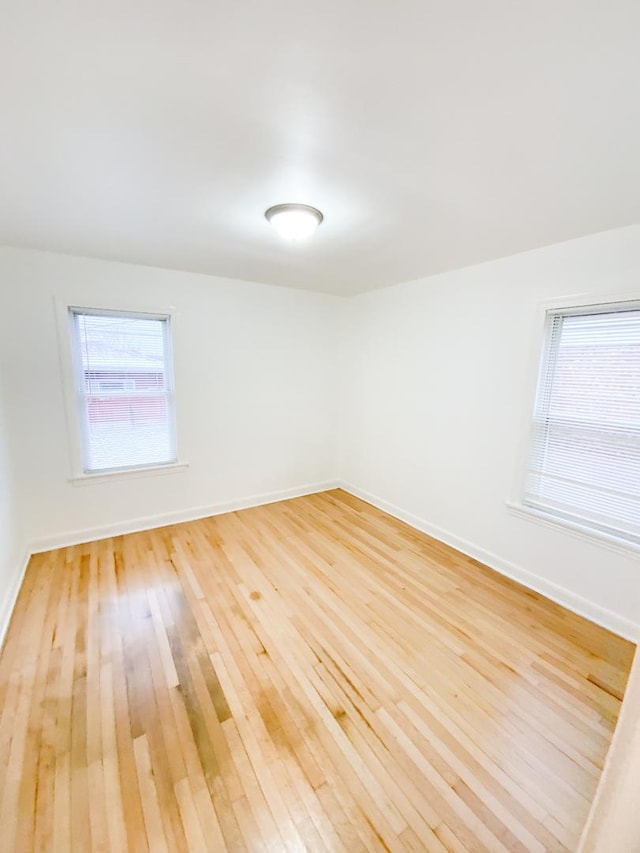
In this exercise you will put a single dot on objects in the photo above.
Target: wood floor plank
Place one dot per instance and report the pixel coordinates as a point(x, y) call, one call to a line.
point(307, 675)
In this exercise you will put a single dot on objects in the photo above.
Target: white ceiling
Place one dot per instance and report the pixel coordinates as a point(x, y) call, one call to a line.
point(433, 135)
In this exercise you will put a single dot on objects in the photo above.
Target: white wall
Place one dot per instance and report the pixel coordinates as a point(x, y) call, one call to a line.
point(12, 545)
point(426, 386)
point(255, 391)
point(613, 825)
point(442, 373)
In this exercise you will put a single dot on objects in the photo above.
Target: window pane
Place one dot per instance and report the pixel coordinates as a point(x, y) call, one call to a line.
point(125, 390)
point(585, 454)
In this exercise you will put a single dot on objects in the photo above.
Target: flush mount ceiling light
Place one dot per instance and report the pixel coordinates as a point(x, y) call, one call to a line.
point(294, 221)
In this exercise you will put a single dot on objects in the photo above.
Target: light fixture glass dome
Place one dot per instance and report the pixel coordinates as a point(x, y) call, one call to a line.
point(294, 221)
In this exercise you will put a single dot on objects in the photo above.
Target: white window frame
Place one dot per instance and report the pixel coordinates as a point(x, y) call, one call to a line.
point(578, 304)
point(69, 370)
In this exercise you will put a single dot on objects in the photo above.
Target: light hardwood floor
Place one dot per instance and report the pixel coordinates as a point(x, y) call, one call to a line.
point(309, 675)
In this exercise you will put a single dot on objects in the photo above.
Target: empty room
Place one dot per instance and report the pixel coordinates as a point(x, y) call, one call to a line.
point(319, 427)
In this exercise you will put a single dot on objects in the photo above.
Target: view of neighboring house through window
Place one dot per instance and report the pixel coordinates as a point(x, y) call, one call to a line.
point(124, 387)
point(584, 460)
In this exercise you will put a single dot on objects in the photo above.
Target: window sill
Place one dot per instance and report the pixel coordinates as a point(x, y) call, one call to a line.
point(129, 474)
point(578, 531)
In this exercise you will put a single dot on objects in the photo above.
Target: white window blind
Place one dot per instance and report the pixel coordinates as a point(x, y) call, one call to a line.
point(124, 388)
point(584, 460)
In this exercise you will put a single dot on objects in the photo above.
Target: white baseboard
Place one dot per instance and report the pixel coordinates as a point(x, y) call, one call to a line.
point(149, 522)
point(583, 607)
point(608, 619)
point(76, 537)
point(6, 606)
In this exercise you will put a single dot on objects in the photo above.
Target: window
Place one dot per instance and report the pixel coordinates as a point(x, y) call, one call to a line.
point(584, 459)
point(124, 389)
